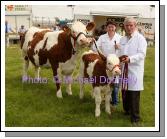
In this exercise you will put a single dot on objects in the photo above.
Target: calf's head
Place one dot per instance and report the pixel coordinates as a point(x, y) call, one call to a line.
point(112, 64)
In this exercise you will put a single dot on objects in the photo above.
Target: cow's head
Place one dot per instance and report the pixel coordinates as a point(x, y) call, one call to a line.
point(79, 32)
point(112, 64)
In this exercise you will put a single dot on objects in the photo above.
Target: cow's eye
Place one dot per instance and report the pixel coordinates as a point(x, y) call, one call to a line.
point(109, 63)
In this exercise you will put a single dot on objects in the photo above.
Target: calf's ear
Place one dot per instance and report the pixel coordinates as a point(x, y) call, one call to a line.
point(102, 57)
point(90, 26)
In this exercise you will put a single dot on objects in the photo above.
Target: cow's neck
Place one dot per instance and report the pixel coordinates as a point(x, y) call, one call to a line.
point(75, 51)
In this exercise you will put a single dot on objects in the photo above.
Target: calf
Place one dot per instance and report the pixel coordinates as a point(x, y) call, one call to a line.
point(56, 49)
point(100, 69)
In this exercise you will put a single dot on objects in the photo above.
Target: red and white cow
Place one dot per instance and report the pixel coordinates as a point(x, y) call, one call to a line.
point(100, 71)
point(58, 49)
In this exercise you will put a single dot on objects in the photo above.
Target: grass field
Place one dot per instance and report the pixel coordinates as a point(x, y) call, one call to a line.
point(36, 105)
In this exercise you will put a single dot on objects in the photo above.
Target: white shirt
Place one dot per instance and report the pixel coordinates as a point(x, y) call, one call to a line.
point(135, 48)
point(21, 30)
point(106, 45)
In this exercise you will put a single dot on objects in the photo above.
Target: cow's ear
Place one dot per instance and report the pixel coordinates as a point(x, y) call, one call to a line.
point(69, 25)
point(67, 30)
point(90, 26)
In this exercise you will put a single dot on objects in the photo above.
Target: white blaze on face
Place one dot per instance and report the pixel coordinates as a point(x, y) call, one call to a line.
point(113, 60)
point(78, 27)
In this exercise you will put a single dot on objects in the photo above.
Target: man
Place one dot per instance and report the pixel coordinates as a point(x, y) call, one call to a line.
point(134, 46)
point(21, 31)
point(108, 44)
point(102, 30)
point(8, 30)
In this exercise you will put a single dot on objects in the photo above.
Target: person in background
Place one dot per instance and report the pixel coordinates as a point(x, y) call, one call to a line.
point(38, 25)
point(21, 31)
point(133, 46)
point(102, 30)
point(56, 28)
point(140, 31)
point(8, 30)
point(108, 44)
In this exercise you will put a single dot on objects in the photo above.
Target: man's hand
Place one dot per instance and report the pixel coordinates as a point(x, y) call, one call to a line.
point(127, 60)
point(124, 59)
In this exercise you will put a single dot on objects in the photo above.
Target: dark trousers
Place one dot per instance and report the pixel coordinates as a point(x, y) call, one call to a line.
point(21, 38)
point(131, 104)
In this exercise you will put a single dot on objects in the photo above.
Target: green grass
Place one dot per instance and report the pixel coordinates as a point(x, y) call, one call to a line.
point(36, 105)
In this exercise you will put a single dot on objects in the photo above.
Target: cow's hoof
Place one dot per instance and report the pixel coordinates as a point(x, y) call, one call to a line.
point(108, 112)
point(97, 113)
point(59, 94)
point(69, 93)
point(81, 97)
point(113, 108)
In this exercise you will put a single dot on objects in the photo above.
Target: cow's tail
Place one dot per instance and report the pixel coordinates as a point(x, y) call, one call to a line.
point(22, 40)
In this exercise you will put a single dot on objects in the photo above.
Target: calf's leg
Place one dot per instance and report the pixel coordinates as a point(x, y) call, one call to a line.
point(107, 100)
point(97, 93)
point(81, 80)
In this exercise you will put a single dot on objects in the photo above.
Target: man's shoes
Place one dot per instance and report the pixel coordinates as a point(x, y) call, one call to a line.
point(137, 124)
point(126, 113)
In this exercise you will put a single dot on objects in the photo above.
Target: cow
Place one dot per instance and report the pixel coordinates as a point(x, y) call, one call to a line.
point(57, 49)
point(100, 71)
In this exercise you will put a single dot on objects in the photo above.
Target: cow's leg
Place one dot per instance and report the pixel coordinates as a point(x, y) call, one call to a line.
point(59, 92)
point(81, 93)
point(59, 79)
point(37, 71)
point(107, 100)
point(92, 94)
point(56, 78)
point(81, 80)
point(97, 93)
point(68, 89)
point(25, 66)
